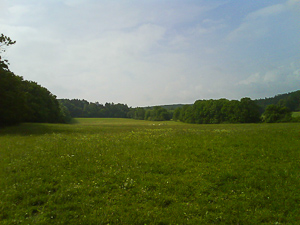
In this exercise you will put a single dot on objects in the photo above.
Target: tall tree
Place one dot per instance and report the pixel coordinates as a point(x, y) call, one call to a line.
point(275, 113)
point(24, 100)
point(4, 43)
point(41, 104)
point(12, 100)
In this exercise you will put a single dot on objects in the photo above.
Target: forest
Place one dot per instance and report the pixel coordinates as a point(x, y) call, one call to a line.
point(201, 112)
point(27, 101)
point(290, 100)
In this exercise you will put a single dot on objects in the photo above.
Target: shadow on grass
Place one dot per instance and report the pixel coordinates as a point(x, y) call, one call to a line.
point(26, 129)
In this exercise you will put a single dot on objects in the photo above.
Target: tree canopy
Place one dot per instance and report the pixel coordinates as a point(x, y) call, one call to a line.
point(290, 100)
point(83, 108)
point(4, 43)
point(22, 100)
point(276, 113)
point(219, 111)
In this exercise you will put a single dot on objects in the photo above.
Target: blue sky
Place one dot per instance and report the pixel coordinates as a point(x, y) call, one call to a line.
point(155, 52)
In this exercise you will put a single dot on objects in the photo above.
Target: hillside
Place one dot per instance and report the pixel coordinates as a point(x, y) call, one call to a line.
point(290, 100)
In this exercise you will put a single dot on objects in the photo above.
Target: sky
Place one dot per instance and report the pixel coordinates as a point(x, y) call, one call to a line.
point(155, 52)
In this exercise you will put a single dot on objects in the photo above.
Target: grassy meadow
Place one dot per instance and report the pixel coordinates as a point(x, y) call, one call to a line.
point(122, 171)
point(296, 114)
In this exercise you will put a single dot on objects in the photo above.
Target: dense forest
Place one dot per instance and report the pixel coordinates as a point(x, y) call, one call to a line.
point(219, 111)
point(201, 112)
point(27, 101)
point(290, 100)
point(85, 109)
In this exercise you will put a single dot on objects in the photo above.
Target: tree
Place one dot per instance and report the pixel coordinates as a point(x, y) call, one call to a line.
point(249, 111)
point(157, 114)
point(275, 113)
point(41, 105)
point(176, 114)
point(12, 99)
point(219, 111)
point(139, 113)
point(22, 100)
point(4, 43)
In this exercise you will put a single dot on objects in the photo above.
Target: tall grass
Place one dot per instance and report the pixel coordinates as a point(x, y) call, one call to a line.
point(121, 171)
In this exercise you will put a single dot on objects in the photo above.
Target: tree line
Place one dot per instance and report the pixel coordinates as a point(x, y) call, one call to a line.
point(84, 109)
point(219, 111)
point(232, 111)
point(289, 100)
point(25, 101)
point(201, 112)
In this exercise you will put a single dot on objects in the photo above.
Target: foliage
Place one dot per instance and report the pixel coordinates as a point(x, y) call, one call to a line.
point(157, 114)
point(12, 99)
point(290, 100)
point(25, 101)
point(167, 107)
point(219, 111)
point(41, 104)
point(85, 109)
point(122, 171)
point(139, 113)
point(275, 113)
point(4, 43)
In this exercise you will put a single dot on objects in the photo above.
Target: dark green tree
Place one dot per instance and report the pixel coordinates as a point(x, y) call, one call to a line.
point(249, 111)
point(275, 113)
point(187, 114)
point(157, 114)
point(176, 114)
point(139, 113)
point(12, 99)
point(219, 111)
point(41, 104)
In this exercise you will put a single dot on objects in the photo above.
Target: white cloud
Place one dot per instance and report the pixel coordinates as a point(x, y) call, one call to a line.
point(286, 75)
point(207, 26)
point(248, 31)
point(253, 78)
point(269, 11)
point(255, 24)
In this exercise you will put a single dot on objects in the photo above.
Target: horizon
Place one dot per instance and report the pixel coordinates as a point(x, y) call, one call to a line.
point(171, 104)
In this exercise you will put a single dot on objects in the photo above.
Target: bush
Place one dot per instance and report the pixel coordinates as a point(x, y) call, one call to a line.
point(275, 114)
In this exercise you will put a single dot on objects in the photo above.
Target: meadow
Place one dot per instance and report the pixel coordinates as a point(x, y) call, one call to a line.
point(123, 171)
point(296, 114)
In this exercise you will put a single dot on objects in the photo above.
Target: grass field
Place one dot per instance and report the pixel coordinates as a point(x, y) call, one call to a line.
point(122, 171)
point(296, 114)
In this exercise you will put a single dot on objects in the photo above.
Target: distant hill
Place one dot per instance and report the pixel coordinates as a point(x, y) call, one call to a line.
point(168, 107)
point(290, 100)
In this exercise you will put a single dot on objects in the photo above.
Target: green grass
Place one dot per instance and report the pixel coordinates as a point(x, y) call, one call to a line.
point(296, 114)
point(121, 171)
